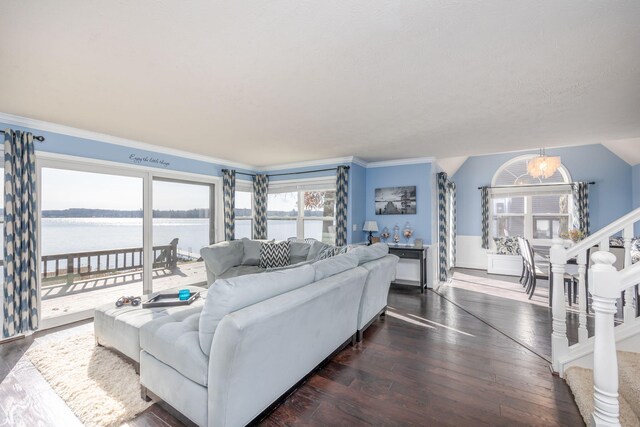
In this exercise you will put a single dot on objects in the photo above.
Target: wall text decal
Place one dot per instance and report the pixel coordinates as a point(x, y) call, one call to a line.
point(153, 161)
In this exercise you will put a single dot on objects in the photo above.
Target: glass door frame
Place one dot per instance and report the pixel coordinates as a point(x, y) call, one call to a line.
point(147, 174)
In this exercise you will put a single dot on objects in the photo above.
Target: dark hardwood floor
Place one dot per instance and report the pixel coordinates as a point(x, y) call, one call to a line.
point(428, 363)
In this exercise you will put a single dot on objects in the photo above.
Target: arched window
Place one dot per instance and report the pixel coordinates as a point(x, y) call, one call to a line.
point(514, 172)
point(537, 208)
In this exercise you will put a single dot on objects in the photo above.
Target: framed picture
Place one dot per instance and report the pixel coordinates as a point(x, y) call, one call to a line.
point(396, 201)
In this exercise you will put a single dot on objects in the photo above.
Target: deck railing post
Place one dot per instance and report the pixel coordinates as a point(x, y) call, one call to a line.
point(173, 260)
point(606, 289)
point(559, 340)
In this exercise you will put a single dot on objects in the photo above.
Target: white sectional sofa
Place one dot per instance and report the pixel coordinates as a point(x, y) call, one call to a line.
point(256, 336)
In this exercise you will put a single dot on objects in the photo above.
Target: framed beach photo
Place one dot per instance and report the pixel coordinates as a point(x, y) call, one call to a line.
point(396, 200)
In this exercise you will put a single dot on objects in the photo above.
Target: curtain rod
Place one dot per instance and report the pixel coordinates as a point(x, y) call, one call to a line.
point(287, 173)
point(36, 137)
point(535, 185)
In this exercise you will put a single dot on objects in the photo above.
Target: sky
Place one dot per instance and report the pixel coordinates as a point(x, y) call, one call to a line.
point(64, 189)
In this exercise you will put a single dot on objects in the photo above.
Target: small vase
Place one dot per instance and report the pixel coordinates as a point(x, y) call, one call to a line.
point(407, 232)
point(396, 234)
point(385, 234)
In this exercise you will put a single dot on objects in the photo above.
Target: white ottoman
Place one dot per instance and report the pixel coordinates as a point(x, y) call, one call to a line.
point(119, 327)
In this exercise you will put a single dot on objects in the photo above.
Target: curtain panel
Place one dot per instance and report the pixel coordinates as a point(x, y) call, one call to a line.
point(229, 199)
point(260, 193)
point(342, 186)
point(20, 288)
point(580, 193)
point(447, 211)
point(485, 217)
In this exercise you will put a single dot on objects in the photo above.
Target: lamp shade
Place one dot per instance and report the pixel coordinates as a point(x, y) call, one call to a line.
point(370, 226)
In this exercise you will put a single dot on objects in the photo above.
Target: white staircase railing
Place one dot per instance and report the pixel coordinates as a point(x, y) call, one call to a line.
point(606, 284)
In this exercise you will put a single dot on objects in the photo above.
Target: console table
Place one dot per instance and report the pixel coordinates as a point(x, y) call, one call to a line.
point(411, 252)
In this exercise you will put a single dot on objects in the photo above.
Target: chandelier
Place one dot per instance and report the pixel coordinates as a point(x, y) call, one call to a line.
point(543, 166)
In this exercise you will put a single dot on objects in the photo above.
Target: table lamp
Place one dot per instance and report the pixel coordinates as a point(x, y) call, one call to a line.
point(370, 226)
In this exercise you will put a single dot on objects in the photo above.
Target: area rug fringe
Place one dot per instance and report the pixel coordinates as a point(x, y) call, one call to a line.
point(101, 388)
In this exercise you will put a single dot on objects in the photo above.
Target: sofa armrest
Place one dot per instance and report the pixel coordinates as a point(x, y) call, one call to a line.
point(221, 257)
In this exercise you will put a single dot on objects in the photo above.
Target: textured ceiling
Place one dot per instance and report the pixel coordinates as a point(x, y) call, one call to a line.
point(269, 82)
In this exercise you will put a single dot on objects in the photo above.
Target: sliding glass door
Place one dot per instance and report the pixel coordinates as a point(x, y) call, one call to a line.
point(182, 225)
point(91, 240)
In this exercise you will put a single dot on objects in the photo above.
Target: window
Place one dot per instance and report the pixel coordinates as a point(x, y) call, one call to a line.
point(282, 215)
point(319, 215)
point(536, 208)
point(302, 213)
point(102, 235)
point(243, 210)
point(182, 225)
point(91, 244)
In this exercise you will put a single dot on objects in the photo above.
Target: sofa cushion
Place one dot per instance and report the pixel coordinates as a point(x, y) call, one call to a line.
point(222, 256)
point(274, 254)
point(241, 270)
point(298, 251)
point(176, 343)
point(369, 253)
point(334, 265)
point(251, 254)
point(315, 249)
point(228, 295)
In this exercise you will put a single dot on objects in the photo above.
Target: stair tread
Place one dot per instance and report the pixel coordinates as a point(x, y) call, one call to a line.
point(580, 381)
point(629, 378)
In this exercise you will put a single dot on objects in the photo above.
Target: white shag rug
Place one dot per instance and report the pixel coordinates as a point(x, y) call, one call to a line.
point(580, 381)
point(100, 387)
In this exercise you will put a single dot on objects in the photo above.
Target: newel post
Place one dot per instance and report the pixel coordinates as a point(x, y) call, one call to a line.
point(559, 340)
point(606, 289)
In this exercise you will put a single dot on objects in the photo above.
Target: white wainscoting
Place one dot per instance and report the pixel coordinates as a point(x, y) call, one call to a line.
point(469, 252)
point(510, 265)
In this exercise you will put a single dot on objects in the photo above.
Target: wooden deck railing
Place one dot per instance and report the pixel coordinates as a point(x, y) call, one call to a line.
point(75, 264)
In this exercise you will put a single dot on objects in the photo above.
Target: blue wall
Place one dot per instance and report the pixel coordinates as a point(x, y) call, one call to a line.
point(357, 203)
point(393, 176)
point(609, 199)
point(635, 185)
point(635, 188)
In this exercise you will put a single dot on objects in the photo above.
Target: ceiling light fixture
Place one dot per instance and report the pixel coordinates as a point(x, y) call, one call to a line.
point(543, 166)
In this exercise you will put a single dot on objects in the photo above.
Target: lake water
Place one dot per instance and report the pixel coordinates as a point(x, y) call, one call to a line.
point(65, 235)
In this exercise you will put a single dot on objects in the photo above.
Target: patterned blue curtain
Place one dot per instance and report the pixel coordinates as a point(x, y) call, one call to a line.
point(20, 286)
point(581, 207)
point(229, 196)
point(485, 217)
point(447, 212)
point(454, 225)
point(342, 186)
point(260, 193)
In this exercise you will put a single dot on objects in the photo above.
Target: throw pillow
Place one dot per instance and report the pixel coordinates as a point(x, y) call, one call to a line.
point(251, 251)
point(616, 242)
point(274, 254)
point(298, 251)
point(507, 245)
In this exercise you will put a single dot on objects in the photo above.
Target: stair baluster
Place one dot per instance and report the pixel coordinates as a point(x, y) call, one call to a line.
point(559, 339)
point(606, 284)
point(583, 334)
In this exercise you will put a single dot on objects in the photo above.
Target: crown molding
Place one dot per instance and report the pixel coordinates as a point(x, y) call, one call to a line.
point(400, 162)
point(310, 163)
point(101, 137)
